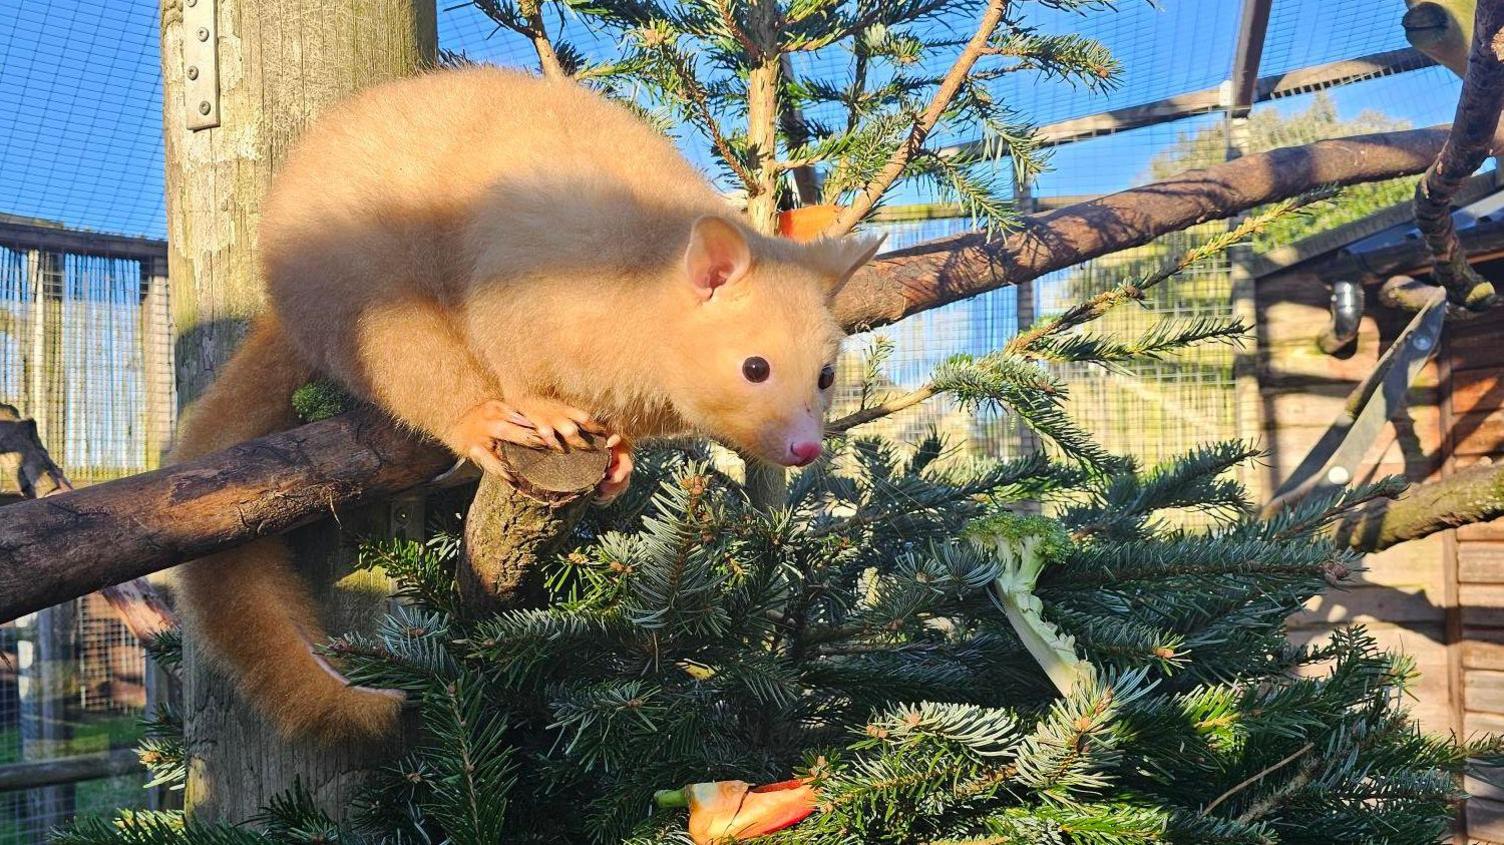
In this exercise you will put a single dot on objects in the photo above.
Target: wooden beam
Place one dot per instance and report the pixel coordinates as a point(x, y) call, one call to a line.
point(952, 211)
point(62, 770)
point(1332, 74)
point(32, 236)
point(1400, 217)
point(72, 544)
point(1482, 242)
point(957, 267)
point(1252, 28)
point(1205, 101)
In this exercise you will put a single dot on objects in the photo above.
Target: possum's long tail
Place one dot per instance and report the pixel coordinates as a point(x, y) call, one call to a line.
point(248, 606)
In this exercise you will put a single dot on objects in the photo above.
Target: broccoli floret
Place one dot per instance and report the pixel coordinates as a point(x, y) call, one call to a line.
point(1022, 545)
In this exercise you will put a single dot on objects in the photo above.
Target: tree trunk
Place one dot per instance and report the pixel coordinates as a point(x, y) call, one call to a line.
point(767, 485)
point(279, 63)
point(511, 530)
point(1468, 144)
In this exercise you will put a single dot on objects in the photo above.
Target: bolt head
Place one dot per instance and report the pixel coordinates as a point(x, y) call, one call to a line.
point(1339, 475)
point(192, 2)
point(204, 107)
point(203, 33)
point(1422, 342)
point(193, 72)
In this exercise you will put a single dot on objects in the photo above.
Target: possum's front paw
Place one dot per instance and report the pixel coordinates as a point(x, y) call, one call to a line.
point(559, 426)
point(619, 473)
point(477, 434)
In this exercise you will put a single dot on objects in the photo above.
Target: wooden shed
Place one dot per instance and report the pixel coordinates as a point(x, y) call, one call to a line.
point(1439, 599)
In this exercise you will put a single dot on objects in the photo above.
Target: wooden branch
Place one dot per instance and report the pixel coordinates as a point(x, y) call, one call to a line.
point(548, 58)
point(1475, 494)
point(950, 85)
point(878, 411)
point(512, 529)
point(74, 543)
point(144, 612)
point(942, 271)
point(1469, 143)
point(37, 475)
point(1442, 30)
point(718, 139)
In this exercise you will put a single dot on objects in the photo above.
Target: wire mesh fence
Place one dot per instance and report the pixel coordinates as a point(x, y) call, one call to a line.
point(86, 352)
point(85, 341)
point(72, 681)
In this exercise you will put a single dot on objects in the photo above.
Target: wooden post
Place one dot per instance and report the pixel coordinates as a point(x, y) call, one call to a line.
point(279, 62)
point(1248, 417)
point(1026, 311)
point(44, 360)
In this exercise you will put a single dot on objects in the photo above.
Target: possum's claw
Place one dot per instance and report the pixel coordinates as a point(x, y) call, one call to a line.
point(619, 473)
point(477, 434)
point(559, 426)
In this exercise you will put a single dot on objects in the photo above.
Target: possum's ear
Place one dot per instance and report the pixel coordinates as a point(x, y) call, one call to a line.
point(840, 259)
point(717, 254)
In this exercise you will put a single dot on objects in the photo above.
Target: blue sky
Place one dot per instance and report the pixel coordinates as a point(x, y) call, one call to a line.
point(80, 91)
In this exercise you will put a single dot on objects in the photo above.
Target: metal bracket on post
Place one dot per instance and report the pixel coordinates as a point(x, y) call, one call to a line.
point(201, 63)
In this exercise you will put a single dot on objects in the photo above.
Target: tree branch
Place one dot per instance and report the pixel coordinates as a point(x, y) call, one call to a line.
point(959, 267)
point(701, 103)
point(1467, 146)
point(950, 85)
point(877, 412)
point(548, 59)
point(1475, 494)
point(74, 543)
point(138, 604)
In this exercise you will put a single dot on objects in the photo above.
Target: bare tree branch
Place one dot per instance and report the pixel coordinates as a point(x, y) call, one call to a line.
point(884, 409)
point(959, 267)
point(707, 119)
point(950, 85)
point(1467, 146)
point(137, 602)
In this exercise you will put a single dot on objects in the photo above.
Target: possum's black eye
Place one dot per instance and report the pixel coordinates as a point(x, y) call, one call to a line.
point(755, 369)
point(827, 376)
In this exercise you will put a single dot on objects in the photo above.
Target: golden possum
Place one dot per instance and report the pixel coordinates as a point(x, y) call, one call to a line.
point(494, 257)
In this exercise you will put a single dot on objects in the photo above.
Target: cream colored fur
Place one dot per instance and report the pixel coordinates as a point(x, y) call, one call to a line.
point(467, 244)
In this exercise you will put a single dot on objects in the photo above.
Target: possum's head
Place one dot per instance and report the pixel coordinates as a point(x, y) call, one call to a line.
point(756, 362)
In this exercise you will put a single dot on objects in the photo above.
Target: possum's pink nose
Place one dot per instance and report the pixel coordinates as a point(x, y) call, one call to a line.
point(805, 453)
